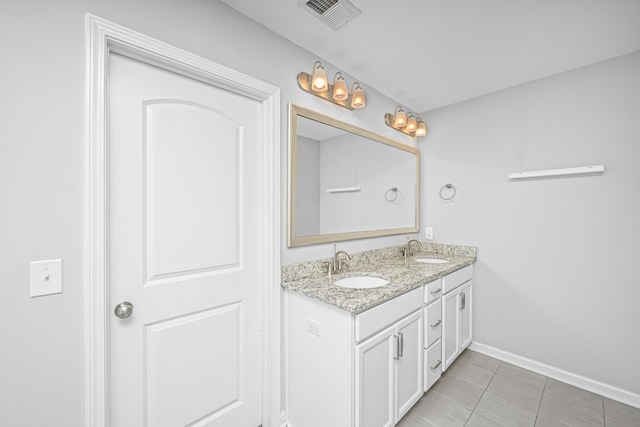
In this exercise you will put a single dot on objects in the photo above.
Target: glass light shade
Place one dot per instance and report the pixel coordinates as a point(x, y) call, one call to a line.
point(358, 101)
point(340, 90)
point(319, 79)
point(400, 120)
point(412, 124)
point(422, 129)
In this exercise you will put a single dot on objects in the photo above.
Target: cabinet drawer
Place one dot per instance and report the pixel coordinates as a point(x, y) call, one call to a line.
point(432, 323)
point(432, 365)
point(457, 278)
point(375, 319)
point(432, 291)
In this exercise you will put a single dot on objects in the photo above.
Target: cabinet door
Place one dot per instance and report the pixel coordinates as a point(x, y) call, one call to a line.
point(450, 330)
point(409, 364)
point(466, 314)
point(374, 394)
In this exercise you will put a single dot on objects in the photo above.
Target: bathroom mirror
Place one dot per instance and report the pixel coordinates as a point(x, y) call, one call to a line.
point(346, 182)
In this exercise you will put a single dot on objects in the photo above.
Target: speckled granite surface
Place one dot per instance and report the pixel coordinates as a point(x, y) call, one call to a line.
point(311, 278)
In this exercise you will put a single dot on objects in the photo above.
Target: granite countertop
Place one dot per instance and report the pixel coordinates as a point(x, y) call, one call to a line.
point(312, 280)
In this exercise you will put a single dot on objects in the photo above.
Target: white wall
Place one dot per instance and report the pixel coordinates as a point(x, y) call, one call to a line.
point(557, 277)
point(42, 147)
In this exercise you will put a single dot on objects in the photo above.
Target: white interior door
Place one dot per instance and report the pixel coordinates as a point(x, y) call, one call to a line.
point(183, 249)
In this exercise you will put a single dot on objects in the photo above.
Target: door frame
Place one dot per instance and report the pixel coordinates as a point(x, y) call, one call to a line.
point(103, 37)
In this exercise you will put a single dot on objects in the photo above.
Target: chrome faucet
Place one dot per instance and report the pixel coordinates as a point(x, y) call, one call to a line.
point(336, 264)
point(407, 251)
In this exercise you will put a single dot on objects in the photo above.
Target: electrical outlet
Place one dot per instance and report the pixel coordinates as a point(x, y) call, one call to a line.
point(314, 327)
point(428, 233)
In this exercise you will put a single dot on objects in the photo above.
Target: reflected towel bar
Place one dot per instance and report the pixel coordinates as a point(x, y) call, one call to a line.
point(343, 190)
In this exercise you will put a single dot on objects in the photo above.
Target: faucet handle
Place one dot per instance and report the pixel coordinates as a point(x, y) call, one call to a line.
point(329, 266)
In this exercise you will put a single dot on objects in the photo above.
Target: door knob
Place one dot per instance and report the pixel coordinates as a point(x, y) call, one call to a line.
point(124, 310)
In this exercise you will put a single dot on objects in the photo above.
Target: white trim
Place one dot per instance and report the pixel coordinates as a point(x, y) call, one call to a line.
point(589, 384)
point(101, 38)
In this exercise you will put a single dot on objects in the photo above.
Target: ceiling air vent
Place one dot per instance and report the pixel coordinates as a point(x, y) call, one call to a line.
point(334, 13)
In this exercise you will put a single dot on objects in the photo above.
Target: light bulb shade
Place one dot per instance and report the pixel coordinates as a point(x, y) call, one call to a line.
point(412, 124)
point(340, 89)
point(319, 78)
point(422, 129)
point(357, 99)
point(401, 119)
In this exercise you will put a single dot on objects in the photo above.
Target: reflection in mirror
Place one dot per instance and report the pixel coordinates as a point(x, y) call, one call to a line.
point(346, 182)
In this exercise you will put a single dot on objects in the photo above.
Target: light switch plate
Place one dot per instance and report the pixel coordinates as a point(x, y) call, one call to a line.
point(46, 277)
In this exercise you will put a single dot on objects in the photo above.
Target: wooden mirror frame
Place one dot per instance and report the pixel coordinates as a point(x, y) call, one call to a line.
point(293, 239)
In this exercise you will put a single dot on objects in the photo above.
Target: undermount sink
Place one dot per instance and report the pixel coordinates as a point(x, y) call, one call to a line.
point(430, 260)
point(361, 282)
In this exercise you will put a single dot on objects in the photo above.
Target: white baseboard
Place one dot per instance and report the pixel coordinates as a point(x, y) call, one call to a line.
point(593, 386)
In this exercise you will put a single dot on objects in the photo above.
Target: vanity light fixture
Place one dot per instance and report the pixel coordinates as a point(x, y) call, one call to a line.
point(357, 98)
point(406, 122)
point(340, 89)
point(412, 124)
point(400, 119)
point(422, 128)
point(317, 84)
point(319, 80)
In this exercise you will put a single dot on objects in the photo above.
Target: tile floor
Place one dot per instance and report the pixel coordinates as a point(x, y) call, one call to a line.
point(478, 390)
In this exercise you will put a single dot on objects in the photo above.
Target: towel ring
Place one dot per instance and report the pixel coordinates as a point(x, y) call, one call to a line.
point(448, 187)
point(393, 196)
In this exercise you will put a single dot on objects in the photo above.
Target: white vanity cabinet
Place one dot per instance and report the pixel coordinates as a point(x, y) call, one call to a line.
point(457, 314)
point(344, 369)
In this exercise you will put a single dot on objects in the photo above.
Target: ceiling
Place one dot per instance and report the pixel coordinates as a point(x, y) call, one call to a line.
point(426, 54)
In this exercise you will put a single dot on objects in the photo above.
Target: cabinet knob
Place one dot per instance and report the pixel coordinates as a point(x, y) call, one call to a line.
point(436, 324)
